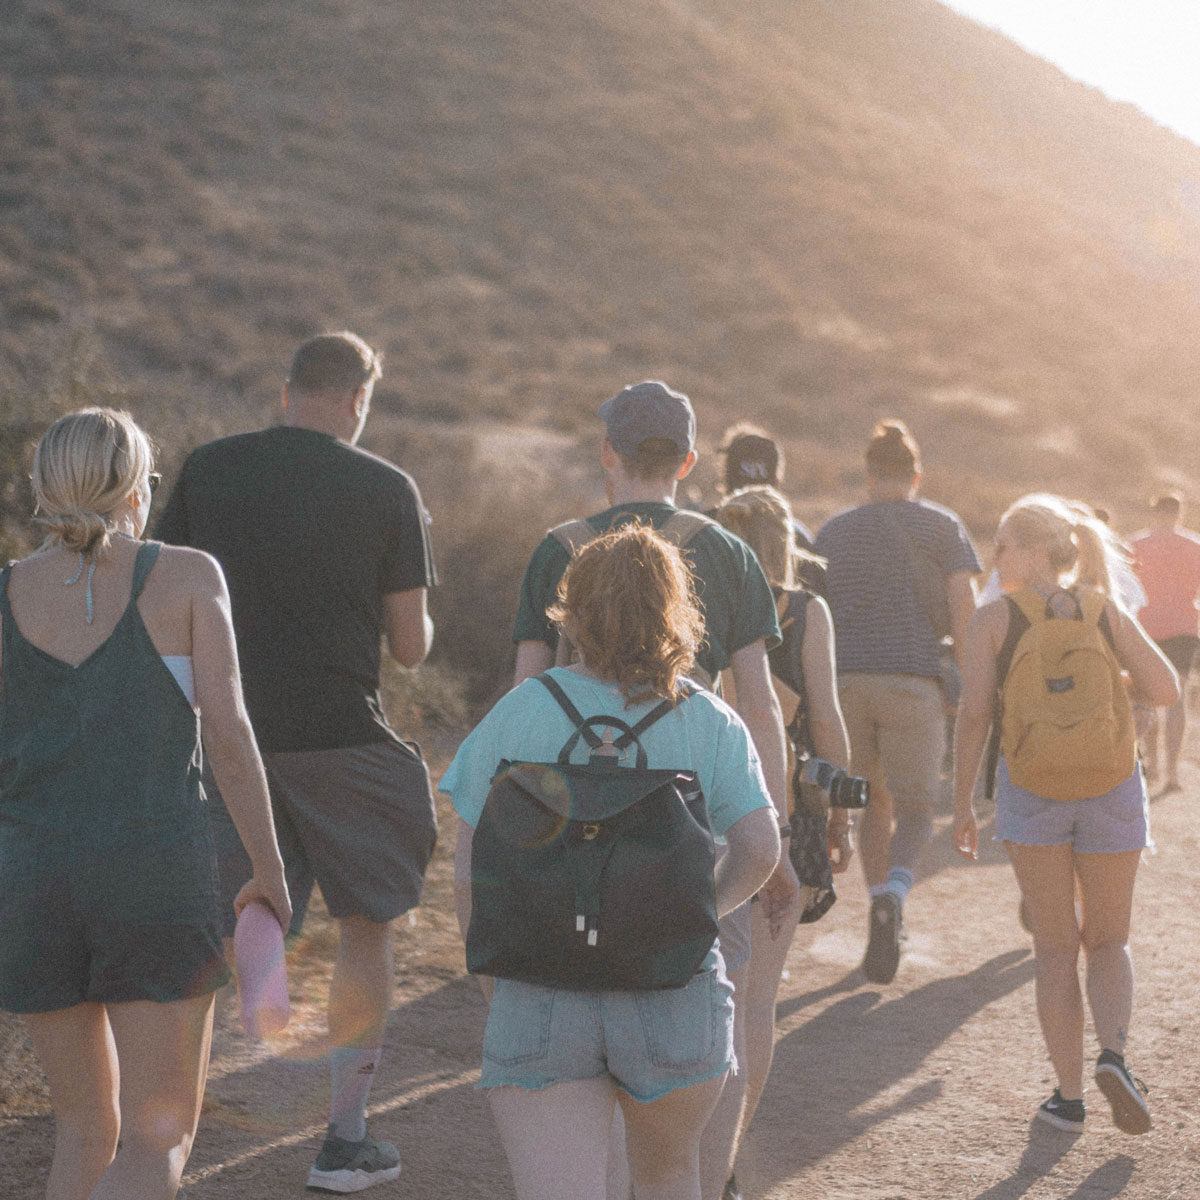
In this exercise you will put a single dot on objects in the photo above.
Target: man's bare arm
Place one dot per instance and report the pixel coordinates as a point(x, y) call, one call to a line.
point(407, 626)
point(533, 658)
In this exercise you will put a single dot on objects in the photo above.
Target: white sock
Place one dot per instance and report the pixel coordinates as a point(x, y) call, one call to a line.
point(900, 879)
point(351, 1071)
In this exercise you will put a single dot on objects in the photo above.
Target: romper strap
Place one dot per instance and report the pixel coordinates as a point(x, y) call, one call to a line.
point(5, 611)
point(147, 556)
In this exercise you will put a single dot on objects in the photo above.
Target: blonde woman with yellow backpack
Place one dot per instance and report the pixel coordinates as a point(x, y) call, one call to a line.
point(1059, 667)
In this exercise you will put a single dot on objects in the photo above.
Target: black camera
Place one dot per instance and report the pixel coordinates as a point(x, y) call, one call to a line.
point(844, 790)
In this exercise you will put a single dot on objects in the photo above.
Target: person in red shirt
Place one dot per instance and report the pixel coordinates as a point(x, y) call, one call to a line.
point(1167, 561)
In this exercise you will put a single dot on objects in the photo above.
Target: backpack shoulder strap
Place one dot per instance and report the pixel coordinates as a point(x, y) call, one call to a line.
point(1094, 604)
point(573, 714)
point(1029, 604)
point(683, 525)
point(1018, 624)
point(659, 711)
point(573, 535)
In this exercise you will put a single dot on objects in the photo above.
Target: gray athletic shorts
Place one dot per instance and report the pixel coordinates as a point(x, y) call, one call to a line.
point(359, 821)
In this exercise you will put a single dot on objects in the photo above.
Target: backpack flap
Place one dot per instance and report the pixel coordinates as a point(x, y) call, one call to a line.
point(1067, 724)
point(592, 876)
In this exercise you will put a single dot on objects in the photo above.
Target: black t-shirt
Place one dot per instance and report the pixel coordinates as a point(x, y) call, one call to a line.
point(311, 533)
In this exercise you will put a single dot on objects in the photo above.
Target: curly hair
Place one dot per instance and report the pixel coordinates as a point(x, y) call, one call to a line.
point(628, 603)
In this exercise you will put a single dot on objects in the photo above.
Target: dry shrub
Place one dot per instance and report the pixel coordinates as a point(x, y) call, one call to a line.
point(491, 503)
point(22, 1085)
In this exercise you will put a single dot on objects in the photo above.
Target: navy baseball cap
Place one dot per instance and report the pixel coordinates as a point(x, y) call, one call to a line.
point(649, 410)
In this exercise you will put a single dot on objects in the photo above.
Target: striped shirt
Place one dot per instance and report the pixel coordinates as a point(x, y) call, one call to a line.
point(880, 624)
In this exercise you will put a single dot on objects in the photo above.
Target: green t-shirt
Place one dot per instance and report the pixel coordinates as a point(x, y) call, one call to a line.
point(736, 601)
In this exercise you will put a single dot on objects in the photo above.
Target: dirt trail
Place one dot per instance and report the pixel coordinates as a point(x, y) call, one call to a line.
point(921, 1090)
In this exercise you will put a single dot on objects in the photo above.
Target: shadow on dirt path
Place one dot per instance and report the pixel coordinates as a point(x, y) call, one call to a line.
point(1045, 1150)
point(895, 1035)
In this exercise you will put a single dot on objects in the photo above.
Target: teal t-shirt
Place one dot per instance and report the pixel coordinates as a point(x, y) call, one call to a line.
point(734, 595)
point(703, 734)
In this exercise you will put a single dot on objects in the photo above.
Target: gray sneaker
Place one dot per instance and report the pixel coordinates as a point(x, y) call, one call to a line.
point(344, 1166)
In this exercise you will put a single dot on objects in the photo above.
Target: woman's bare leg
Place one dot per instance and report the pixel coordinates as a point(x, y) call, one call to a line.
point(767, 958)
point(663, 1139)
point(556, 1139)
point(163, 1054)
point(1106, 885)
point(719, 1143)
point(1047, 878)
point(75, 1048)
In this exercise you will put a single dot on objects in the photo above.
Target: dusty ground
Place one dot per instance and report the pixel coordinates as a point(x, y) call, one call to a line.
point(922, 1090)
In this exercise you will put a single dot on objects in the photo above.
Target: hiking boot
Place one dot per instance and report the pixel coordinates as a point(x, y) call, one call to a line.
point(883, 944)
point(1130, 1112)
point(1062, 1114)
point(344, 1166)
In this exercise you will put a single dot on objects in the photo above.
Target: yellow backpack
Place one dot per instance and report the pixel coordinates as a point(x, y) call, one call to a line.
point(1066, 724)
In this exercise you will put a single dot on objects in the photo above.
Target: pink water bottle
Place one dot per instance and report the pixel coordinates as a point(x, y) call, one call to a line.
point(261, 971)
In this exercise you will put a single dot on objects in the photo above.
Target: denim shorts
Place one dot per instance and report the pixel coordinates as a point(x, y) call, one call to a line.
point(651, 1042)
point(1109, 824)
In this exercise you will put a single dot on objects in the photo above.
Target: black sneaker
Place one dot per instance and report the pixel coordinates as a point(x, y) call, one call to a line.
point(883, 943)
point(344, 1166)
point(1062, 1114)
point(1130, 1112)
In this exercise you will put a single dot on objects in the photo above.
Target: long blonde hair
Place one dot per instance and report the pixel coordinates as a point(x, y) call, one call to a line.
point(85, 464)
point(1080, 547)
point(762, 518)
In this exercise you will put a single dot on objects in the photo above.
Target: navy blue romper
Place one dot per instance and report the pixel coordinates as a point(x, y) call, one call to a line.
point(107, 875)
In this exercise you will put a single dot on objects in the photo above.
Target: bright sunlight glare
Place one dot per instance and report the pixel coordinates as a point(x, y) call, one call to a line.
point(1144, 52)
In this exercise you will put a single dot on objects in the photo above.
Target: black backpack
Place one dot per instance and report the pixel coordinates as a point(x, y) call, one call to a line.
point(593, 876)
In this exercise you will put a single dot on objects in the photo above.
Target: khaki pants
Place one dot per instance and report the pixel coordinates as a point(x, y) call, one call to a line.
point(897, 727)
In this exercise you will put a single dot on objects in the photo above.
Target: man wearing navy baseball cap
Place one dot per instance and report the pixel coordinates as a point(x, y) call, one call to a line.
point(649, 446)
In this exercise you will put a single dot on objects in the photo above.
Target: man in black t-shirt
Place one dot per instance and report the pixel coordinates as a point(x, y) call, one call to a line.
point(326, 551)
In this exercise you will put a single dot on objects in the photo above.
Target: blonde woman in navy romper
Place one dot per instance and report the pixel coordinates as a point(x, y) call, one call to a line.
point(109, 650)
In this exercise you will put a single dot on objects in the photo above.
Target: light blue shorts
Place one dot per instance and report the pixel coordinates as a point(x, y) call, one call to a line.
point(1109, 824)
point(651, 1043)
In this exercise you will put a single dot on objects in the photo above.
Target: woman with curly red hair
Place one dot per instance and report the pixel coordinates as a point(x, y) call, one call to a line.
point(557, 1062)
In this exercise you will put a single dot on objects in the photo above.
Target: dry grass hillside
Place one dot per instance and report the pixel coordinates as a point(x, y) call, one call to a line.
point(810, 212)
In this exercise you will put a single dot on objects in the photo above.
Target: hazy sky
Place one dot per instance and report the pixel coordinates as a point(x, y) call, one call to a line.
point(1143, 51)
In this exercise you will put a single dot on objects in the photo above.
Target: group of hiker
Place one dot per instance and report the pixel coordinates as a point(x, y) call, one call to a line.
point(707, 707)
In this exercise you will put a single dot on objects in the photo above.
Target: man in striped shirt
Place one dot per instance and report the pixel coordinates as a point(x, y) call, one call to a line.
point(899, 580)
